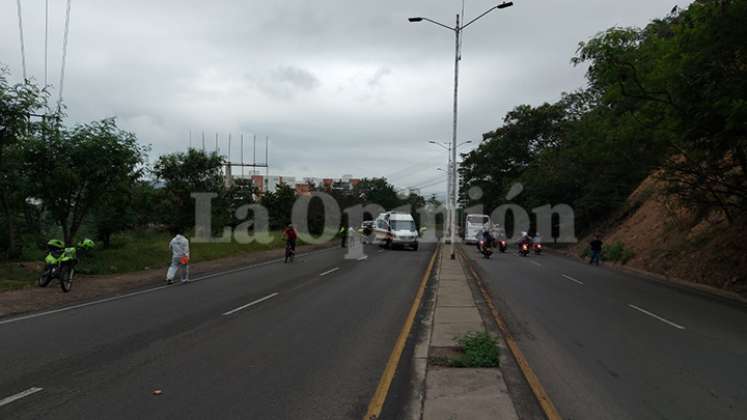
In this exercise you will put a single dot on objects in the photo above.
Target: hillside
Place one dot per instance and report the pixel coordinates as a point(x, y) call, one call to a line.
point(663, 237)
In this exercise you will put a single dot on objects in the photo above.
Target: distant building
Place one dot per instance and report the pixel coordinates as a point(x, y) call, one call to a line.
point(304, 186)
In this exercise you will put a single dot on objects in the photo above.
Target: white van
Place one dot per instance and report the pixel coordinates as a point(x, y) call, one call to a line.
point(473, 225)
point(396, 229)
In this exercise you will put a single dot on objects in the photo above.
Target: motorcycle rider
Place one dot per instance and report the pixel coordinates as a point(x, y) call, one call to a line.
point(481, 236)
point(525, 240)
point(487, 239)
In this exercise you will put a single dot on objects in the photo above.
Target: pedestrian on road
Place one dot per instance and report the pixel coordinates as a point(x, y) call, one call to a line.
point(596, 250)
point(343, 236)
point(179, 247)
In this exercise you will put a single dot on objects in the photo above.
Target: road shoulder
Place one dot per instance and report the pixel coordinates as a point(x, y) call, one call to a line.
point(673, 282)
point(90, 288)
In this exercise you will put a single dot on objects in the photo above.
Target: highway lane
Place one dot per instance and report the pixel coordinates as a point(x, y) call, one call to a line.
point(607, 344)
point(302, 340)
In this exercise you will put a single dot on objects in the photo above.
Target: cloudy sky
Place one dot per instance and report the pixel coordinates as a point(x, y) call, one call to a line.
point(339, 86)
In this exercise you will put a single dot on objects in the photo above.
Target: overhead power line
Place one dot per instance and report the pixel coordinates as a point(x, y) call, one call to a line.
point(46, 40)
point(20, 32)
point(64, 53)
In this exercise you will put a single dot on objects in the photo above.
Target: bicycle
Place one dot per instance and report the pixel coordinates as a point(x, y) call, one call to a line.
point(290, 253)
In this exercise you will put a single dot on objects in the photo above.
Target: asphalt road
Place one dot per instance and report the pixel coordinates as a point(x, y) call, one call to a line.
point(312, 344)
point(610, 345)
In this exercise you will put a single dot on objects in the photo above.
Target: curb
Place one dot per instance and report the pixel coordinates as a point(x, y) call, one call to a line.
point(382, 390)
point(414, 408)
point(551, 413)
point(454, 392)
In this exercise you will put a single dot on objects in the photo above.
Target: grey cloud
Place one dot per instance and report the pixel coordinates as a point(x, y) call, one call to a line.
point(286, 81)
point(375, 80)
point(329, 81)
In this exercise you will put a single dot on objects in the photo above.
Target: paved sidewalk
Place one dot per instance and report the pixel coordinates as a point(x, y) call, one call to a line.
point(458, 393)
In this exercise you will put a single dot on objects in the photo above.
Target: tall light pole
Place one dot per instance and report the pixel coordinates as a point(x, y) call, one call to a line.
point(451, 181)
point(457, 29)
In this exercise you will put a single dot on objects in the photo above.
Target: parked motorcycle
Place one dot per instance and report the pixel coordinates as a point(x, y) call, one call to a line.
point(524, 250)
point(538, 249)
point(485, 248)
point(60, 263)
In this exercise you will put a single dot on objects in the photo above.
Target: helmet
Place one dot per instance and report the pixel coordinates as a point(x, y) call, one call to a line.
point(56, 243)
point(86, 244)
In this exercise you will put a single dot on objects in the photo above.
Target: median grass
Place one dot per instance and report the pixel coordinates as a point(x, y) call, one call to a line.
point(477, 350)
point(129, 252)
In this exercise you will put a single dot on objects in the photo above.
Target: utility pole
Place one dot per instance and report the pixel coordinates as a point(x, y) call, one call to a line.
point(457, 57)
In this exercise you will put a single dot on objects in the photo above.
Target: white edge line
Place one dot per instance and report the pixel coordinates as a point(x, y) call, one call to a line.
point(252, 303)
point(23, 394)
point(572, 279)
point(154, 289)
point(329, 271)
point(365, 257)
point(664, 320)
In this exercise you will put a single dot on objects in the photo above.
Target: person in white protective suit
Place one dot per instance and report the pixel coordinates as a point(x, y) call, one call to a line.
point(179, 247)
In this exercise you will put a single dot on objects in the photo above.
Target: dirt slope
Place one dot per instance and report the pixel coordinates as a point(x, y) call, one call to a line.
point(670, 239)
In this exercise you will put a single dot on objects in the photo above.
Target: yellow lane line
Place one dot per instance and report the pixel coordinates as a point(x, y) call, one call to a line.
point(539, 392)
point(377, 402)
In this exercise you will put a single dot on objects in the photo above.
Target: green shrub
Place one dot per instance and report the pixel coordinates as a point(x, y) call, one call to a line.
point(479, 349)
point(585, 253)
point(617, 252)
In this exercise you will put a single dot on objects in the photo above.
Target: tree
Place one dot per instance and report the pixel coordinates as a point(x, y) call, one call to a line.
point(75, 170)
point(279, 205)
point(183, 174)
point(241, 192)
point(686, 76)
point(17, 102)
point(377, 191)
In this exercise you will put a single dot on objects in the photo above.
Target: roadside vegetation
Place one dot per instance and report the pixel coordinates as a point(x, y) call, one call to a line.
point(71, 181)
point(130, 251)
point(476, 350)
point(668, 99)
point(615, 252)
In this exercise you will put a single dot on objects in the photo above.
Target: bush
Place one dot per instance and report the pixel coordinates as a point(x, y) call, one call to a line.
point(479, 349)
point(617, 253)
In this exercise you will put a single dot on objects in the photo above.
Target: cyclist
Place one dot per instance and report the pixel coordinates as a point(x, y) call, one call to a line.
point(290, 236)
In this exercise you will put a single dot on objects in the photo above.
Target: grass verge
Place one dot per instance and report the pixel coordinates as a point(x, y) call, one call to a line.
point(130, 252)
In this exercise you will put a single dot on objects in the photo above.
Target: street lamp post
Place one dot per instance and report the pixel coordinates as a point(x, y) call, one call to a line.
point(457, 31)
point(450, 179)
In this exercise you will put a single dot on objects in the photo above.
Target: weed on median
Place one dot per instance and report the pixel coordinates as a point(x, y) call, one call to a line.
point(477, 349)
